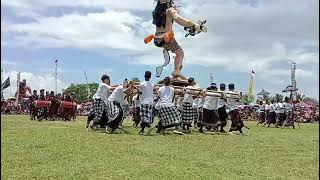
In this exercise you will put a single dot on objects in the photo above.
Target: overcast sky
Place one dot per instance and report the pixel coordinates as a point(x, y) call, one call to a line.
point(105, 36)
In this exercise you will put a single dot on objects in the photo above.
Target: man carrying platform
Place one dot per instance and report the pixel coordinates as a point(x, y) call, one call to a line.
point(168, 114)
point(146, 91)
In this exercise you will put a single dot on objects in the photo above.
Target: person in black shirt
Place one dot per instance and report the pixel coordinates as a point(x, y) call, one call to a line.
point(33, 98)
point(42, 96)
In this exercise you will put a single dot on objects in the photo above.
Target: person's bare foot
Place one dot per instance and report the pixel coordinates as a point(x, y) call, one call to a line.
point(176, 75)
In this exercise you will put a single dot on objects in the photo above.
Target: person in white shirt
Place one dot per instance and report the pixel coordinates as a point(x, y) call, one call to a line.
point(267, 110)
point(200, 109)
point(136, 111)
point(114, 105)
point(281, 114)
point(233, 101)
point(146, 90)
point(289, 113)
point(262, 113)
point(223, 115)
point(210, 106)
point(126, 110)
point(195, 112)
point(272, 114)
point(100, 100)
point(179, 103)
point(169, 116)
point(187, 114)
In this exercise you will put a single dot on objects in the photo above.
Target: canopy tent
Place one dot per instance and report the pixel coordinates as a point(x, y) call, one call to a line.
point(263, 93)
point(305, 105)
point(311, 101)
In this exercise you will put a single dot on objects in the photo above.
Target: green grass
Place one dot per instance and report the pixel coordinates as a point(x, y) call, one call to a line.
point(66, 150)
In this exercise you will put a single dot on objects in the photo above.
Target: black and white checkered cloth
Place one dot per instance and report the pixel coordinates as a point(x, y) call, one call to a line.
point(146, 113)
point(200, 111)
point(113, 110)
point(169, 117)
point(187, 114)
point(195, 115)
point(91, 111)
point(98, 108)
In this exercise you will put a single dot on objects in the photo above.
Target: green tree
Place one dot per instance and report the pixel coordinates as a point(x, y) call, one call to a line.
point(300, 97)
point(135, 79)
point(278, 98)
point(81, 92)
point(248, 99)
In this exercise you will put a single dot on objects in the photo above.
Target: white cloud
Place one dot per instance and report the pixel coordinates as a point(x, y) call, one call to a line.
point(92, 31)
point(41, 5)
point(34, 81)
point(5, 62)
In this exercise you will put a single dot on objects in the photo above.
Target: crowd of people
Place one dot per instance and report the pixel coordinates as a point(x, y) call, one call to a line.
point(275, 113)
point(48, 107)
point(180, 109)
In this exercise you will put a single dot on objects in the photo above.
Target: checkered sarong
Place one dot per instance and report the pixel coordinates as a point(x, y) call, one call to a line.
point(98, 108)
point(113, 110)
point(146, 113)
point(169, 117)
point(200, 116)
point(187, 114)
point(210, 117)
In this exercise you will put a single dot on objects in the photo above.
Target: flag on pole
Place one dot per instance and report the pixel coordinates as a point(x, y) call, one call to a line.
point(294, 65)
point(253, 74)
point(56, 76)
point(5, 84)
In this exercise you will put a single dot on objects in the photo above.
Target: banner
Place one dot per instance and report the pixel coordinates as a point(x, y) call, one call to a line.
point(5, 84)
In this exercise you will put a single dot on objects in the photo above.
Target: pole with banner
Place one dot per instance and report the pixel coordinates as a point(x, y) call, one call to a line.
point(88, 87)
point(211, 78)
point(56, 76)
point(18, 87)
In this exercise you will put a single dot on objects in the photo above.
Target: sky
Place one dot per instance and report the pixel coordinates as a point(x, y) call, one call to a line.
point(106, 37)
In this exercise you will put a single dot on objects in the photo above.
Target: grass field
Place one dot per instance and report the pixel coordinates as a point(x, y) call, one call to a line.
point(66, 150)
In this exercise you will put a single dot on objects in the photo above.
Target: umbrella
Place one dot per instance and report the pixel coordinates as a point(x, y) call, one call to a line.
point(263, 93)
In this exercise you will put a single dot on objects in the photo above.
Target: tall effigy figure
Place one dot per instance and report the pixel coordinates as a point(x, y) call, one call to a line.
point(164, 14)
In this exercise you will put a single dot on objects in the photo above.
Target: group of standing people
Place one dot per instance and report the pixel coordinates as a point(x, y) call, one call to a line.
point(277, 113)
point(207, 109)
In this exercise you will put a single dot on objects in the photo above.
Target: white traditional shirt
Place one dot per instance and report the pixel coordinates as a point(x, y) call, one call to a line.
point(280, 108)
point(272, 108)
point(287, 106)
point(103, 92)
point(201, 102)
point(221, 102)
point(118, 95)
point(231, 102)
point(166, 94)
point(188, 94)
point(195, 103)
point(266, 107)
point(146, 88)
point(179, 103)
point(211, 102)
